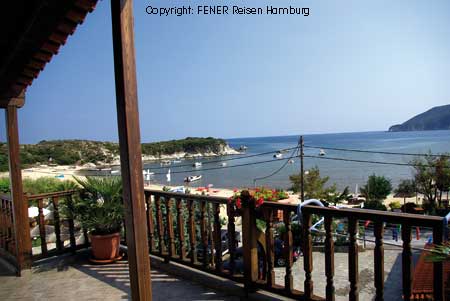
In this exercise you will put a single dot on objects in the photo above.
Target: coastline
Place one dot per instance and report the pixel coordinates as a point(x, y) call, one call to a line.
point(67, 172)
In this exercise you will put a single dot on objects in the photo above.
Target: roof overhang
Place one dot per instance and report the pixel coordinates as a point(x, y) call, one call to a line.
point(32, 32)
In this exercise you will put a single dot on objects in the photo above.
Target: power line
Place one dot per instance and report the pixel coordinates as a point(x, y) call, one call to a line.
point(222, 160)
point(222, 167)
point(373, 162)
point(296, 149)
point(376, 152)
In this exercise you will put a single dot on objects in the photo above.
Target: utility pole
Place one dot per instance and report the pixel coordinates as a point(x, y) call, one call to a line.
point(302, 172)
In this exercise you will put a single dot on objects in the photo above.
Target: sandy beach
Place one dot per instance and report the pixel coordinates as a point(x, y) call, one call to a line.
point(67, 172)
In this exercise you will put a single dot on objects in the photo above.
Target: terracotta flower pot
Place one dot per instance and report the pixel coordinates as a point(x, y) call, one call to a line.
point(105, 247)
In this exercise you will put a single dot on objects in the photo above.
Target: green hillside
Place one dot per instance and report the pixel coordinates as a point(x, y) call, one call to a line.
point(437, 118)
point(78, 152)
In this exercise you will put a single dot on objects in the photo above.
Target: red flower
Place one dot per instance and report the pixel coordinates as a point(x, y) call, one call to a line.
point(259, 202)
point(257, 189)
point(235, 190)
point(238, 203)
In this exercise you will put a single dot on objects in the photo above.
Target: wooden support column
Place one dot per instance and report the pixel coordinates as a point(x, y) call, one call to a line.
point(20, 206)
point(130, 149)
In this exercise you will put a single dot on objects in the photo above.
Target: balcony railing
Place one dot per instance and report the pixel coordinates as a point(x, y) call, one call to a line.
point(202, 247)
point(7, 235)
point(188, 229)
point(62, 226)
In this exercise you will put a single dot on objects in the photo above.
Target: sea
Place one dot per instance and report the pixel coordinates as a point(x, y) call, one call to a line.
point(243, 171)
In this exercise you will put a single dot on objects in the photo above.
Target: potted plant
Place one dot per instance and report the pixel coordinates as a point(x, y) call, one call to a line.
point(100, 211)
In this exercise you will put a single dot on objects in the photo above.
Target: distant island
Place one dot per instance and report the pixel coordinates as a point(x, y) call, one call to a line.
point(437, 118)
point(85, 152)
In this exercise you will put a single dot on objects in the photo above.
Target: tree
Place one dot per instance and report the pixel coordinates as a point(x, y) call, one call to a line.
point(339, 197)
point(432, 174)
point(406, 189)
point(314, 185)
point(377, 188)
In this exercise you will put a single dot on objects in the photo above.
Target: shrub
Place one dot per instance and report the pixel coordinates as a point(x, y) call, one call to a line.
point(395, 205)
point(374, 205)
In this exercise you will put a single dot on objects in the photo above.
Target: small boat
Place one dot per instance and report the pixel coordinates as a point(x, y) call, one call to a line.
point(322, 152)
point(165, 163)
point(291, 161)
point(192, 178)
point(243, 148)
point(278, 156)
point(176, 161)
point(223, 164)
point(197, 164)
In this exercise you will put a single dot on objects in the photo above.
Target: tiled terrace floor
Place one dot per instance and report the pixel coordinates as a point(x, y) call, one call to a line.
point(74, 278)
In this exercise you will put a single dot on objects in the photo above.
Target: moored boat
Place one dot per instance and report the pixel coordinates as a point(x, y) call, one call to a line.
point(192, 178)
point(197, 164)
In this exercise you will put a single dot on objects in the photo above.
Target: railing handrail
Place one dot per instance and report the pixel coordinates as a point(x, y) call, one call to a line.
point(175, 195)
point(51, 194)
point(377, 215)
point(6, 197)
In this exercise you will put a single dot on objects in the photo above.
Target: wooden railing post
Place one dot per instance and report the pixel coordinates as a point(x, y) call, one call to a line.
point(249, 243)
point(329, 259)
point(407, 262)
point(20, 206)
point(379, 261)
point(307, 255)
point(353, 274)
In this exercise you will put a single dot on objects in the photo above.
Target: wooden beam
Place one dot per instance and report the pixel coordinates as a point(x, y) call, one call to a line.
point(130, 149)
point(20, 207)
point(15, 101)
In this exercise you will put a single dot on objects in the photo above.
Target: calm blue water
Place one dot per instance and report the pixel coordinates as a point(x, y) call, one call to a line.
point(341, 173)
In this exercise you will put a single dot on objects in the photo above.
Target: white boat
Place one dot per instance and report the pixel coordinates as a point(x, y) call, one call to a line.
point(278, 155)
point(197, 164)
point(165, 163)
point(223, 164)
point(291, 161)
point(192, 178)
point(322, 152)
point(243, 148)
point(176, 161)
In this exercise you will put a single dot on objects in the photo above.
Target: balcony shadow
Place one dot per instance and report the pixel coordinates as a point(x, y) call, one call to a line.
point(393, 282)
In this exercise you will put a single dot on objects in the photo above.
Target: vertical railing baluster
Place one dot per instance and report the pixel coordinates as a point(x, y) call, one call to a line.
point(57, 224)
point(353, 260)
point(288, 249)
point(42, 233)
point(180, 224)
point(407, 262)
point(169, 227)
point(217, 238)
point(379, 260)
point(203, 233)
point(329, 259)
point(70, 207)
point(270, 245)
point(150, 225)
point(231, 233)
point(438, 279)
point(2, 223)
point(192, 235)
point(159, 226)
point(307, 255)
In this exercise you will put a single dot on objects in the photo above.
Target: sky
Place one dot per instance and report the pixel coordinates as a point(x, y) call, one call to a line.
point(349, 66)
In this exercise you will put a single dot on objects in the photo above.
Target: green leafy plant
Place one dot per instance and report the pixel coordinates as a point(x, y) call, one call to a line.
point(439, 253)
point(395, 205)
point(100, 206)
point(377, 188)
